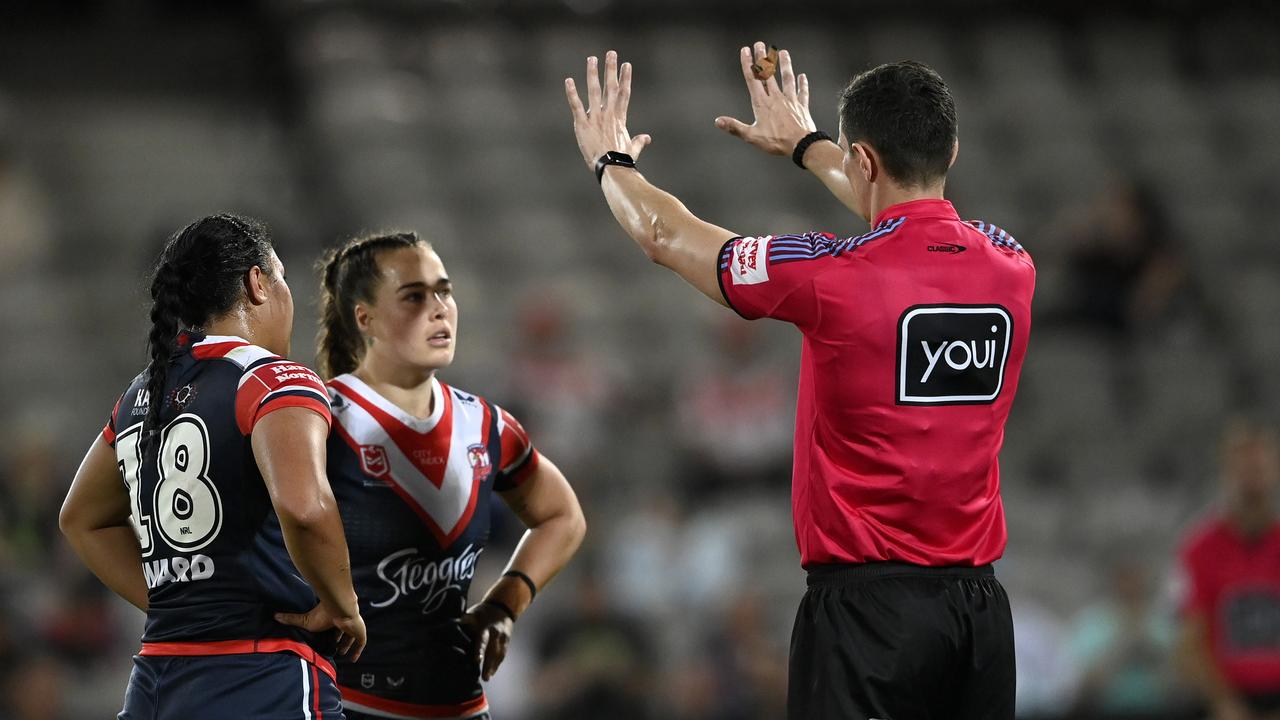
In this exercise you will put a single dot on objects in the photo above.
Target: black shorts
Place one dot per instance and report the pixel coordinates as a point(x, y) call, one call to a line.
point(891, 641)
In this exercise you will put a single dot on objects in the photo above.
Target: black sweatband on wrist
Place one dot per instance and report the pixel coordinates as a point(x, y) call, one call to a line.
point(613, 157)
point(501, 606)
point(533, 589)
point(797, 155)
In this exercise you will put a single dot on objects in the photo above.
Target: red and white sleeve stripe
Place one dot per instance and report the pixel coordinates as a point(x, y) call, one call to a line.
point(109, 432)
point(519, 456)
point(279, 384)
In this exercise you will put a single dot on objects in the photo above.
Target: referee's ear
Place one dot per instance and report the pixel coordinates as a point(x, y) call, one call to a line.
point(955, 152)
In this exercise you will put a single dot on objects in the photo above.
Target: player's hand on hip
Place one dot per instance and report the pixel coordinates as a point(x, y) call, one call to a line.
point(352, 634)
point(490, 630)
point(781, 109)
point(601, 125)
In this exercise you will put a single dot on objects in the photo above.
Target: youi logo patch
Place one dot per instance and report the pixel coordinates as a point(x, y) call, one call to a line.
point(952, 354)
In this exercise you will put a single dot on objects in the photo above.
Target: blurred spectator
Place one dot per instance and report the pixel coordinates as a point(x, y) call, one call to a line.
point(739, 673)
point(1045, 674)
point(30, 494)
point(736, 410)
point(1122, 646)
point(25, 235)
point(1230, 592)
point(81, 628)
point(594, 661)
point(1125, 271)
point(557, 388)
point(35, 690)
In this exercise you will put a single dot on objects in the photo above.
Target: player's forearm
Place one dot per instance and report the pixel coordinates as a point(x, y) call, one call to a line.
point(542, 554)
point(826, 161)
point(112, 554)
point(1196, 663)
point(318, 547)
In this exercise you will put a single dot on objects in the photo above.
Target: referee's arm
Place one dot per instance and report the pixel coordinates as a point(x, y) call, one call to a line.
point(664, 228)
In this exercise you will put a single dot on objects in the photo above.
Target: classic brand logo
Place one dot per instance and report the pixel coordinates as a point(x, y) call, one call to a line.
point(952, 354)
point(946, 248)
point(373, 460)
point(749, 264)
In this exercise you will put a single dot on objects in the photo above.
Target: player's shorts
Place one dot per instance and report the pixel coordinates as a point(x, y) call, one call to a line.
point(892, 641)
point(251, 686)
point(360, 705)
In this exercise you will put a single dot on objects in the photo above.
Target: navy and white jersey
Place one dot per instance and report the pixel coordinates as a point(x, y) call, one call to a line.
point(212, 550)
point(414, 495)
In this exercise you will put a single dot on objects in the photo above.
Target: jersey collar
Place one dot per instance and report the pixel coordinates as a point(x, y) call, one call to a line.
point(421, 425)
point(928, 208)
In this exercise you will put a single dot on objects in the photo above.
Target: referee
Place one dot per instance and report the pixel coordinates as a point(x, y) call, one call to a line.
point(914, 336)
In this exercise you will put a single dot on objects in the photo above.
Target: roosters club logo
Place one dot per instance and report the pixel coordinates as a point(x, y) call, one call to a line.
point(952, 354)
point(373, 460)
point(478, 458)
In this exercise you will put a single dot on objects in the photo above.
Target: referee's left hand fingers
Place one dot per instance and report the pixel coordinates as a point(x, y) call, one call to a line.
point(788, 74)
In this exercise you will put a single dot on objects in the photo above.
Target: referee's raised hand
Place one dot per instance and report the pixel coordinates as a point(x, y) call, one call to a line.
point(780, 104)
point(601, 126)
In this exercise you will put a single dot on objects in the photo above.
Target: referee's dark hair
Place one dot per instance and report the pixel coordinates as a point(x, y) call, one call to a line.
point(906, 113)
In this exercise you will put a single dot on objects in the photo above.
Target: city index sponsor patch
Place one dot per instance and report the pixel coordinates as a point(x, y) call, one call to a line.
point(750, 264)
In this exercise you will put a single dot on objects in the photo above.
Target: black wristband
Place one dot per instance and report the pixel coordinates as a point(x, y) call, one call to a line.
point(533, 589)
point(797, 155)
point(612, 158)
point(501, 606)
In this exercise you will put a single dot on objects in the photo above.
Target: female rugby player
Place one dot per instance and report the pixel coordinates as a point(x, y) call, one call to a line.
point(414, 464)
point(205, 496)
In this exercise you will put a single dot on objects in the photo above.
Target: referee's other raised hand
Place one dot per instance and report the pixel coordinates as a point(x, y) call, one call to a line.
point(601, 125)
point(780, 105)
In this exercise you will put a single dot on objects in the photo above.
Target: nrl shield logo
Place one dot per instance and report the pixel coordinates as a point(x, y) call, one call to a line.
point(366, 680)
point(373, 460)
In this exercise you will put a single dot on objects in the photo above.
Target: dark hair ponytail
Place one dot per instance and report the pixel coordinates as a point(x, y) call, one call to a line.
point(349, 274)
point(197, 278)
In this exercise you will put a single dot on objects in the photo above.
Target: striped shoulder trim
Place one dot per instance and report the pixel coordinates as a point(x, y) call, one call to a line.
point(811, 246)
point(998, 237)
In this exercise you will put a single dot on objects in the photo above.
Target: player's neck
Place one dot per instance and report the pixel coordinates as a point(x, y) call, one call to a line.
point(1252, 521)
point(886, 195)
point(233, 324)
point(408, 388)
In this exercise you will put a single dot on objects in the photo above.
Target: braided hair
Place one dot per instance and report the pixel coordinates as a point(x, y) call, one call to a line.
point(198, 277)
point(350, 275)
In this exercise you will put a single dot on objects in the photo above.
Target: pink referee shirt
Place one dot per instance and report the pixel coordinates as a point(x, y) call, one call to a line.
point(914, 336)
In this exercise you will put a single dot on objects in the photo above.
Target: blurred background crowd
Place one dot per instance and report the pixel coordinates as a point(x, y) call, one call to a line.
point(1132, 148)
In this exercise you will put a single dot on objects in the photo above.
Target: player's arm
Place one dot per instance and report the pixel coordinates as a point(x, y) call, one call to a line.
point(289, 446)
point(543, 500)
point(95, 520)
point(664, 228)
point(782, 119)
point(1196, 661)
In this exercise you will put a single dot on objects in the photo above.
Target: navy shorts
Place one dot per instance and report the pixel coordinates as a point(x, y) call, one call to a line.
point(257, 686)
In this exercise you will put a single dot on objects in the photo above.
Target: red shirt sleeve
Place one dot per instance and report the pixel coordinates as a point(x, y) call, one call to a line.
point(519, 457)
point(279, 384)
point(109, 432)
point(772, 276)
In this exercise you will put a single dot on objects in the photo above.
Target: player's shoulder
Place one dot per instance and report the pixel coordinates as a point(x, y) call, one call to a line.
point(465, 399)
point(1000, 238)
point(1205, 537)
